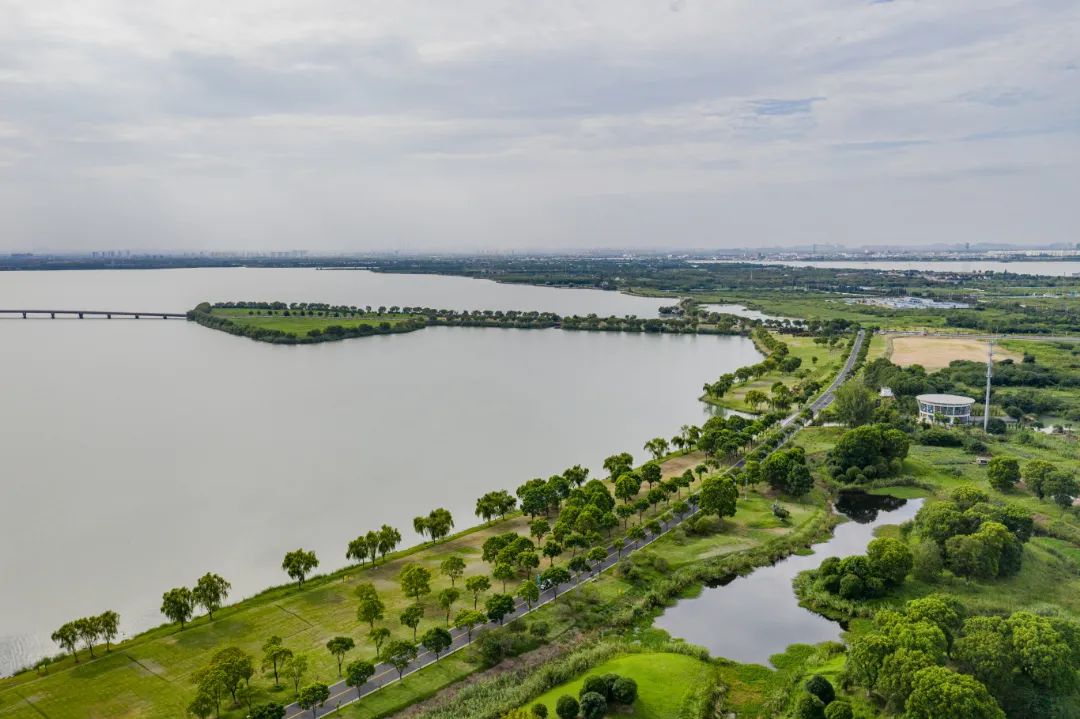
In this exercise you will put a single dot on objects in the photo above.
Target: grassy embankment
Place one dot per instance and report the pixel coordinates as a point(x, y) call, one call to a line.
point(299, 326)
point(664, 680)
point(829, 361)
point(149, 675)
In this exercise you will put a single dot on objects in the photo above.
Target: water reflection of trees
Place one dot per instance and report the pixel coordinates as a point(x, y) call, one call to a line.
point(864, 508)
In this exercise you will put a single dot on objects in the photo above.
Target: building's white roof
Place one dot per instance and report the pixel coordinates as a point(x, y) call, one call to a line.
point(945, 399)
point(886, 392)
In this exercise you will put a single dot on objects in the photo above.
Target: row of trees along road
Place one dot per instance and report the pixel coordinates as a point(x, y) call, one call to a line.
point(574, 513)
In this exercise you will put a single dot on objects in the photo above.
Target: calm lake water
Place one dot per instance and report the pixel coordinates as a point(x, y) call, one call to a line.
point(1050, 268)
point(751, 618)
point(138, 455)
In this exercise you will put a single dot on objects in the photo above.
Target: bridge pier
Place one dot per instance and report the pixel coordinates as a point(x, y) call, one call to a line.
point(108, 315)
point(80, 315)
point(52, 315)
point(24, 315)
point(137, 317)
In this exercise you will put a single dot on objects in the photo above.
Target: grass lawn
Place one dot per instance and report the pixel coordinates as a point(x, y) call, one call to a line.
point(828, 363)
point(300, 325)
point(663, 682)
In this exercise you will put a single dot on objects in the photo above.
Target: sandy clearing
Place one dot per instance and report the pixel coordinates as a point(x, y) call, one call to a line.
point(936, 352)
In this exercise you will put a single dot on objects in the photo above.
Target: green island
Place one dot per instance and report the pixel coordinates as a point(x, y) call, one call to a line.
point(970, 610)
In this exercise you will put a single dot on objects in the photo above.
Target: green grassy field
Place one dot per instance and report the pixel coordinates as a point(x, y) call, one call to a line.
point(300, 325)
point(829, 361)
point(663, 680)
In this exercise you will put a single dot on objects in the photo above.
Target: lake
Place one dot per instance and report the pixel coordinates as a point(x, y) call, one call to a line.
point(1049, 268)
point(140, 454)
point(750, 618)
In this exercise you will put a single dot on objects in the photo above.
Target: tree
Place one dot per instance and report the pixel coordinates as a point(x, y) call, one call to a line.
point(477, 585)
point(389, 539)
point(313, 696)
point(626, 487)
point(1003, 473)
point(718, 496)
point(298, 564)
point(618, 464)
point(88, 629)
point(576, 475)
point(378, 635)
point(211, 689)
point(371, 608)
point(203, 705)
point(357, 673)
point(399, 654)
point(854, 404)
point(898, 672)
point(539, 711)
point(939, 692)
point(234, 666)
point(820, 687)
point(178, 605)
point(495, 504)
point(453, 567)
point(926, 562)
point(567, 707)
point(108, 624)
point(865, 656)
point(498, 606)
point(210, 592)
point(552, 549)
point(593, 705)
point(538, 528)
point(411, 617)
point(469, 620)
point(556, 576)
point(890, 560)
point(439, 523)
point(295, 668)
point(436, 640)
point(504, 573)
point(274, 656)
point(67, 636)
point(1035, 474)
point(657, 447)
point(358, 550)
point(446, 598)
point(339, 646)
point(415, 581)
point(528, 592)
point(1063, 488)
point(755, 398)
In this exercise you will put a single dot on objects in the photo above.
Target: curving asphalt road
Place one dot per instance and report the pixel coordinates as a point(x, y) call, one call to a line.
point(340, 694)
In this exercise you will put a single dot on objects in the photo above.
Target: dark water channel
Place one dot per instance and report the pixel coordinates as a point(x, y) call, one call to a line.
point(750, 618)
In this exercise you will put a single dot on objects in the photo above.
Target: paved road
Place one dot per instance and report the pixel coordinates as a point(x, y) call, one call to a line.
point(340, 694)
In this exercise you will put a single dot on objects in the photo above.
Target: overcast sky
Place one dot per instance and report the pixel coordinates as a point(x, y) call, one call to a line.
point(352, 125)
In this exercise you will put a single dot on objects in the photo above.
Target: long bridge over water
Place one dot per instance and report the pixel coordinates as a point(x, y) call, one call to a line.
point(83, 314)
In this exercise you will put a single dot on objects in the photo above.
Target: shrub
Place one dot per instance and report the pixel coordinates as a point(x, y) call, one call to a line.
point(820, 687)
point(839, 709)
point(540, 630)
point(808, 706)
point(566, 707)
point(624, 690)
point(593, 705)
point(926, 561)
point(540, 711)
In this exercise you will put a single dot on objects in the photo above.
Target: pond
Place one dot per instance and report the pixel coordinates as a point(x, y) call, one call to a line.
point(748, 619)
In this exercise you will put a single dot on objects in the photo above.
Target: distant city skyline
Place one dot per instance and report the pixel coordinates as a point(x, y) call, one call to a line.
point(340, 126)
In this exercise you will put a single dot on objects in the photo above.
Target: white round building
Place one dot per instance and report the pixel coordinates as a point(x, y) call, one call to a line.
point(944, 408)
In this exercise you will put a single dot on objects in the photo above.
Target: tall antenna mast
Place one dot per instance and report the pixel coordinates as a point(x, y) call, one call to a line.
point(989, 374)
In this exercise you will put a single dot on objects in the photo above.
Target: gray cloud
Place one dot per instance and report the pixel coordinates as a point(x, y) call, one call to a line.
point(496, 124)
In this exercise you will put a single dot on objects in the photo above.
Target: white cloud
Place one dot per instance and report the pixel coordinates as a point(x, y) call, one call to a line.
point(346, 125)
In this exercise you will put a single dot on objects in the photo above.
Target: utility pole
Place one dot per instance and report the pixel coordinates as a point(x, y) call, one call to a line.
point(989, 374)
